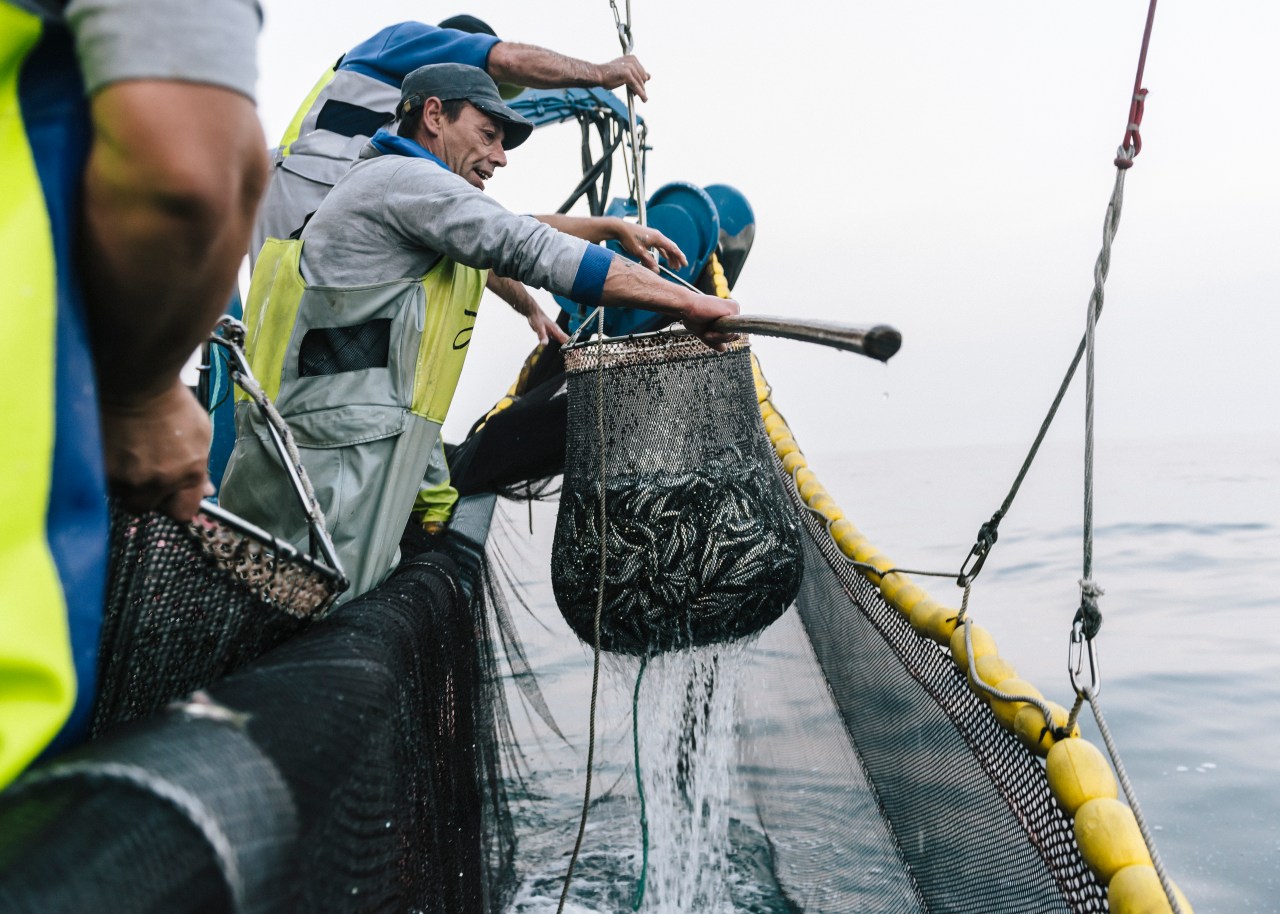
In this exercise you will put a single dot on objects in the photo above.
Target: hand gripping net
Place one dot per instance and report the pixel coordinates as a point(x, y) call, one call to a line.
point(701, 544)
point(188, 603)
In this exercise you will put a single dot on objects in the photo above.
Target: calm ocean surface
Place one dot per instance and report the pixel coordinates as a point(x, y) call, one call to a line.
point(1187, 548)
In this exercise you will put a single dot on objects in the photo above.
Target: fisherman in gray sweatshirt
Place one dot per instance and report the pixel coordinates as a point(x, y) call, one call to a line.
point(359, 328)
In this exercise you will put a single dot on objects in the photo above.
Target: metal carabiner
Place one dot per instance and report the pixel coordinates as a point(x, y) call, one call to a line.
point(988, 533)
point(624, 28)
point(1078, 648)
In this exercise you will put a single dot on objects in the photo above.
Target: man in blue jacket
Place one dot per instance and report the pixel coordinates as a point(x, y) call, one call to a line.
point(358, 95)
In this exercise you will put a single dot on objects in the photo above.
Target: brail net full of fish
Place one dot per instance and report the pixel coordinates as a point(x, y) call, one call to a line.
point(701, 546)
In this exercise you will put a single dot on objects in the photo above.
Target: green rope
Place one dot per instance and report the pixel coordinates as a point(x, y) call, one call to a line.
point(644, 818)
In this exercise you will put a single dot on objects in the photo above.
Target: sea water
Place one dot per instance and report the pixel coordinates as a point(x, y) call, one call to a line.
point(1187, 550)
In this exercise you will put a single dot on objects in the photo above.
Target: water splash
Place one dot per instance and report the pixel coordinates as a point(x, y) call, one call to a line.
point(687, 755)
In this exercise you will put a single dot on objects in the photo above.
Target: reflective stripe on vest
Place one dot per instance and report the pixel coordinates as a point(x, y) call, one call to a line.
point(335, 118)
point(294, 130)
point(37, 678)
point(445, 303)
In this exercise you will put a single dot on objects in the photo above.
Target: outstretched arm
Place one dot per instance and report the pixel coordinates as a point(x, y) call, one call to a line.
point(517, 296)
point(538, 68)
point(635, 239)
point(629, 285)
point(171, 186)
point(534, 251)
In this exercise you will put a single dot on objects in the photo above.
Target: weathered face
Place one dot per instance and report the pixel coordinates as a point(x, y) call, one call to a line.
point(472, 145)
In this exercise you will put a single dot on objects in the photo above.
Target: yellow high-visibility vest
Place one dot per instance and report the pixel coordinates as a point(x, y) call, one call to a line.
point(366, 429)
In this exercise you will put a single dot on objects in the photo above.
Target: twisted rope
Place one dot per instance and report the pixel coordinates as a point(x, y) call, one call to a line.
point(1131, 796)
point(635, 178)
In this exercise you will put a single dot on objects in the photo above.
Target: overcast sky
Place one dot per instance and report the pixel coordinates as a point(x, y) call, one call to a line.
point(941, 167)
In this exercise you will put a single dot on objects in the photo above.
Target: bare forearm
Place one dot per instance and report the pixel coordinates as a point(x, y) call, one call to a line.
point(513, 293)
point(526, 65)
point(517, 296)
point(589, 228)
point(639, 241)
point(171, 187)
point(539, 68)
point(630, 285)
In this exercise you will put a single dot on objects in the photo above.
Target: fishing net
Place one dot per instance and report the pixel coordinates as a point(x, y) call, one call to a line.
point(701, 544)
point(364, 763)
point(861, 743)
point(188, 603)
point(354, 768)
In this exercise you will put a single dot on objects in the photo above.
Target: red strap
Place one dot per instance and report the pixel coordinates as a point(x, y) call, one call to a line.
point(1132, 143)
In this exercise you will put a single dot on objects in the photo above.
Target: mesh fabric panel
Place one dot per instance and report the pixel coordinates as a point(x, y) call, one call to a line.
point(897, 766)
point(702, 545)
point(335, 350)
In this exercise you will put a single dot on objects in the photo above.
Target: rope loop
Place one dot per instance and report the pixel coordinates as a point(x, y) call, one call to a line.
point(988, 533)
point(1132, 143)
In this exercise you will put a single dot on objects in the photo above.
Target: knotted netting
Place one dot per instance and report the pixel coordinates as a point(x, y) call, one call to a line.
point(190, 602)
point(355, 768)
point(701, 545)
point(882, 782)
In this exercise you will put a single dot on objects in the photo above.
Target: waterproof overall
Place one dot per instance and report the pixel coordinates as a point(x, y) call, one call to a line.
point(364, 376)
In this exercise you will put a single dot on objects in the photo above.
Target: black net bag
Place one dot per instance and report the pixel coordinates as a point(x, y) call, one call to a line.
point(189, 603)
point(701, 544)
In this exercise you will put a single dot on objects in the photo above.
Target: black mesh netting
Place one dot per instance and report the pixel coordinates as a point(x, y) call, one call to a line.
point(702, 545)
point(380, 722)
point(862, 744)
point(187, 603)
point(175, 814)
